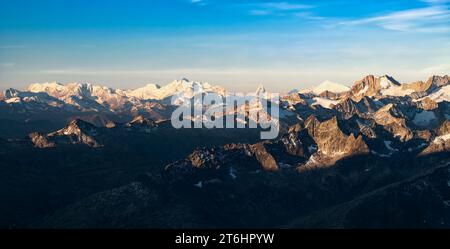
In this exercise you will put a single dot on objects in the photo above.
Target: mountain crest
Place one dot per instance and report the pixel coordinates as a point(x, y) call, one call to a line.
point(78, 132)
point(330, 87)
point(394, 121)
point(141, 121)
point(332, 143)
point(439, 81)
point(11, 93)
point(372, 86)
point(79, 124)
point(260, 90)
point(40, 141)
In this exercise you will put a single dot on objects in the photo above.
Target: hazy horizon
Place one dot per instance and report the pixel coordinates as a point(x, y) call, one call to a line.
point(236, 44)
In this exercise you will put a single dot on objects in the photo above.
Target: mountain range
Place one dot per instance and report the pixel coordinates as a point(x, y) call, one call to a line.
point(373, 155)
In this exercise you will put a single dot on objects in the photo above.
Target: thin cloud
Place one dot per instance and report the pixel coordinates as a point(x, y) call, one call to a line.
point(309, 16)
point(7, 64)
point(436, 1)
point(260, 12)
point(198, 2)
point(436, 70)
point(283, 6)
point(11, 46)
point(261, 8)
point(269, 8)
point(428, 19)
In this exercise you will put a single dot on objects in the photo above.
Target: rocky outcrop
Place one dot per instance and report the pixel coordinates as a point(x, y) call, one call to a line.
point(141, 121)
point(40, 141)
point(427, 104)
point(142, 124)
point(332, 143)
point(298, 143)
point(438, 81)
point(393, 121)
point(216, 158)
point(425, 135)
point(422, 89)
point(77, 132)
point(441, 143)
point(444, 129)
point(204, 158)
point(365, 127)
point(330, 95)
point(364, 108)
point(371, 86)
point(418, 86)
point(110, 125)
point(266, 160)
point(294, 99)
point(347, 108)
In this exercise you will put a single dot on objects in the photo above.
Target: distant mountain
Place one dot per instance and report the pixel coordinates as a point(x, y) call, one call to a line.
point(150, 91)
point(153, 100)
point(330, 87)
point(372, 86)
point(76, 132)
point(84, 96)
point(189, 88)
point(260, 90)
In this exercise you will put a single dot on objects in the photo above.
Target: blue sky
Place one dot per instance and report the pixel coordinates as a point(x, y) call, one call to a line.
point(237, 44)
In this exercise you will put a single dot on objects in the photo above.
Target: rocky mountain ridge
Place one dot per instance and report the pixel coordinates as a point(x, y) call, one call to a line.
point(115, 161)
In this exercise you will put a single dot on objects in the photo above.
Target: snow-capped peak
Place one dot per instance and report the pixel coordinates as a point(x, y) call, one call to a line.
point(390, 87)
point(44, 87)
point(331, 87)
point(59, 90)
point(84, 95)
point(260, 90)
point(184, 86)
point(153, 86)
point(147, 92)
point(387, 82)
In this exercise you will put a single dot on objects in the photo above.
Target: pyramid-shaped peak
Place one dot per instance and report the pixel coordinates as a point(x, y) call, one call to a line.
point(79, 123)
point(388, 81)
point(439, 80)
point(260, 90)
point(141, 120)
point(390, 109)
